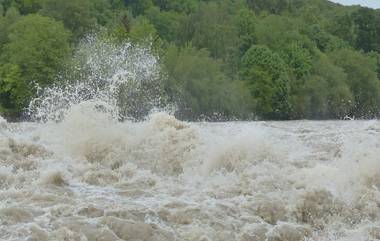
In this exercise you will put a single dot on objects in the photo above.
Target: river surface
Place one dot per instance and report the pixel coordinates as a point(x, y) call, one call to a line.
point(90, 177)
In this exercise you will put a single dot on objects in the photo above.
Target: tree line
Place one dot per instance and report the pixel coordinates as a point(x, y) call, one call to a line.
point(235, 59)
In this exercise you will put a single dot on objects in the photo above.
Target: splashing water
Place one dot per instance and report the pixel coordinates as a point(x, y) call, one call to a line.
point(88, 176)
point(113, 76)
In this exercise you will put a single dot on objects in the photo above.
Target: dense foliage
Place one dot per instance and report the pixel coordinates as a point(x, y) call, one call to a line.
point(268, 59)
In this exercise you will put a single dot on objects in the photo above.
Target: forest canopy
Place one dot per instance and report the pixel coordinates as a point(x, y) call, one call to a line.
point(234, 59)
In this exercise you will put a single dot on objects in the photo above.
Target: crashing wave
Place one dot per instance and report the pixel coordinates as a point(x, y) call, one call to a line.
point(120, 78)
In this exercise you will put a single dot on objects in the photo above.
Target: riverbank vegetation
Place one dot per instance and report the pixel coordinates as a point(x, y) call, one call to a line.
point(267, 59)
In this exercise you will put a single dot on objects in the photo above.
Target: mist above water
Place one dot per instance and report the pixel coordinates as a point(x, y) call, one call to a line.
point(79, 173)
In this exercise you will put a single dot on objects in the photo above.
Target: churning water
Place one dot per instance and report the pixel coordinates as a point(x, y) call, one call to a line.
point(81, 174)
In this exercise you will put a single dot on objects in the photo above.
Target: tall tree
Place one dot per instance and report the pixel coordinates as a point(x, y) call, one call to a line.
point(367, 29)
point(266, 77)
point(199, 87)
point(34, 54)
point(77, 16)
point(362, 80)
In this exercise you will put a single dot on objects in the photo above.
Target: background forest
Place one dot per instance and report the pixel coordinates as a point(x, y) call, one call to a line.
point(235, 59)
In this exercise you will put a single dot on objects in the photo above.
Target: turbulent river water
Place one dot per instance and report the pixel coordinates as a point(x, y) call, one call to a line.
point(90, 177)
point(77, 173)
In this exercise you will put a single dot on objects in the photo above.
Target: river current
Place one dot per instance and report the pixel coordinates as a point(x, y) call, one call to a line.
point(78, 173)
point(90, 177)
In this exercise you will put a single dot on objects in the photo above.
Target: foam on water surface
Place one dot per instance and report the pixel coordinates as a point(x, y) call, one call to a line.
point(163, 179)
point(79, 173)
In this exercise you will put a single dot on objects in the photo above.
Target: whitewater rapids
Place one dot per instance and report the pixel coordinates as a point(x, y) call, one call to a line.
point(91, 177)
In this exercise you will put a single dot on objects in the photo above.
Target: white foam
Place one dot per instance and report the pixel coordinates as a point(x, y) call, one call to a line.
point(81, 174)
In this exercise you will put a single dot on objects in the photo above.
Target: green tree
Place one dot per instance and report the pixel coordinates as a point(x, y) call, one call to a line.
point(271, 6)
point(367, 29)
point(120, 25)
point(196, 83)
point(77, 16)
point(167, 23)
point(298, 58)
point(343, 26)
point(138, 7)
point(212, 27)
point(331, 96)
point(376, 58)
point(143, 32)
point(265, 74)
point(35, 52)
point(185, 6)
point(362, 80)
point(246, 26)
point(280, 32)
point(29, 6)
point(322, 94)
point(324, 40)
point(12, 89)
point(6, 21)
